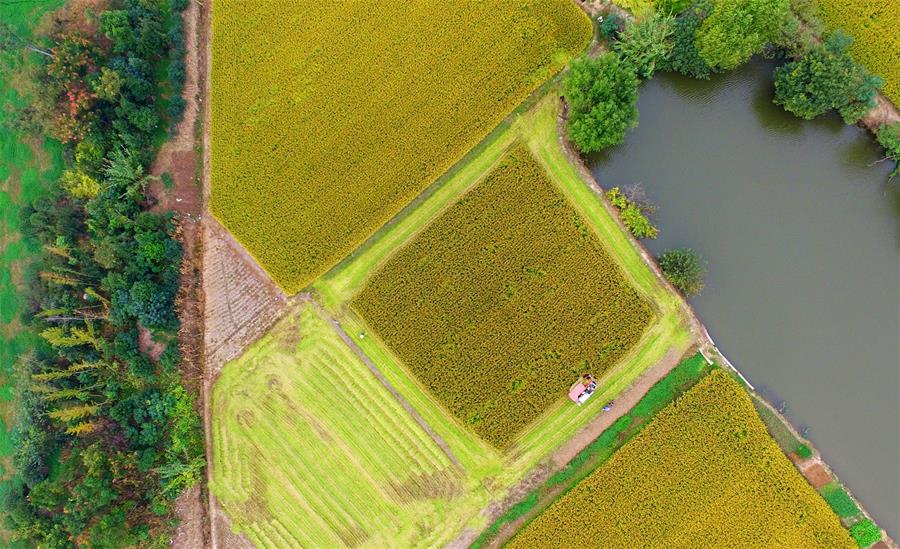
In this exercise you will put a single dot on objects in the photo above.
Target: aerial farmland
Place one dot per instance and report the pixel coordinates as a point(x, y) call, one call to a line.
point(546, 273)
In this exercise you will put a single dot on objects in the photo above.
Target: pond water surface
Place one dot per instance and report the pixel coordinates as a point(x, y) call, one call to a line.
point(801, 240)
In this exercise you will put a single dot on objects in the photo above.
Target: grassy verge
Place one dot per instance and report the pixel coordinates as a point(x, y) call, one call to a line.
point(776, 427)
point(26, 167)
point(676, 383)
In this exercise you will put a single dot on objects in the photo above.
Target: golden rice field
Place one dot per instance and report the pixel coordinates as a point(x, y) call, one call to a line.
point(704, 473)
point(504, 301)
point(875, 28)
point(310, 450)
point(329, 117)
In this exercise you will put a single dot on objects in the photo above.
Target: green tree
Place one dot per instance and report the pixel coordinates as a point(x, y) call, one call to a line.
point(602, 98)
point(684, 57)
point(646, 44)
point(79, 184)
point(672, 7)
point(610, 26)
point(683, 267)
point(826, 78)
point(889, 137)
point(633, 214)
point(738, 29)
point(116, 25)
point(109, 84)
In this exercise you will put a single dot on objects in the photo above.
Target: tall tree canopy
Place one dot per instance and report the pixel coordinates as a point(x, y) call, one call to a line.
point(684, 57)
point(646, 44)
point(827, 78)
point(602, 97)
point(738, 29)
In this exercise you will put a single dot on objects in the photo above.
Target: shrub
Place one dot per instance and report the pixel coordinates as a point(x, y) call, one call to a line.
point(602, 97)
point(865, 532)
point(673, 7)
point(839, 500)
point(633, 214)
point(646, 44)
point(684, 57)
point(889, 137)
point(683, 268)
point(611, 26)
point(804, 451)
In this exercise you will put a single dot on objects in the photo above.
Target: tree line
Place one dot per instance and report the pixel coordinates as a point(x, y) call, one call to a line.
point(106, 435)
point(699, 39)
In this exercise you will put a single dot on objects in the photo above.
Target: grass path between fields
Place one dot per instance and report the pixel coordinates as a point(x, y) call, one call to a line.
point(668, 334)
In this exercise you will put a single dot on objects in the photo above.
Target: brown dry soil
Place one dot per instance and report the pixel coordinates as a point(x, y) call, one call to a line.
point(884, 113)
point(817, 475)
point(177, 157)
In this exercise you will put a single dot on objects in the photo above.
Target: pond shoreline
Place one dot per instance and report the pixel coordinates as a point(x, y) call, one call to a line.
point(705, 343)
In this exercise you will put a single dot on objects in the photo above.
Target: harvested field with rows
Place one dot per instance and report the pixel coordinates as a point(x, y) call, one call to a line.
point(875, 28)
point(311, 450)
point(704, 473)
point(504, 301)
point(329, 117)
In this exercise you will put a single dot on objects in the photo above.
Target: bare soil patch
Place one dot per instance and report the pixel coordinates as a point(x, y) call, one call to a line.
point(224, 537)
point(817, 475)
point(241, 301)
point(884, 112)
point(147, 345)
point(192, 527)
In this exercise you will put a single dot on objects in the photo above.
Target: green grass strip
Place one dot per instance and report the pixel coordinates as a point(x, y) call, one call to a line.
point(839, 500)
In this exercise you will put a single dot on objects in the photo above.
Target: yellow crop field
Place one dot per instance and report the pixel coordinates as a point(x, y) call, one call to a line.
point(329, 117)
point(704, 473)
point(875, 28)
point(504, 301)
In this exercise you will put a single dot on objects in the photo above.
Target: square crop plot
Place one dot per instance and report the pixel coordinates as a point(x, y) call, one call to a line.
point(501, 303)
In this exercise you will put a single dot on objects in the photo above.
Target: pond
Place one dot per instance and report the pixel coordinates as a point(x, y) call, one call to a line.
point(800, 235)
